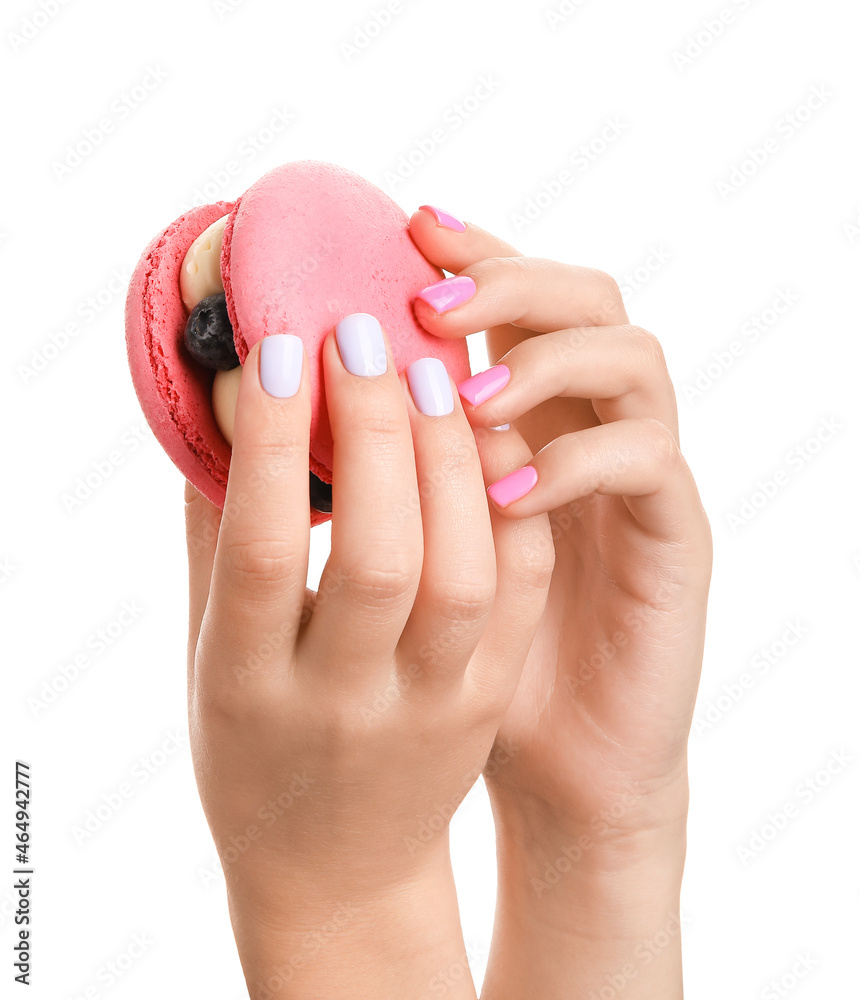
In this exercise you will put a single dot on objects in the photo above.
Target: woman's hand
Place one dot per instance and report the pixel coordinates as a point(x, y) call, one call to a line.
point(334, 734)
point(591, 811)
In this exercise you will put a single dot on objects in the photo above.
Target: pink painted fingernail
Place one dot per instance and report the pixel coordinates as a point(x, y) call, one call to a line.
point(485, 384)
point(447, 293)
point(512, 487)
point(446, 219)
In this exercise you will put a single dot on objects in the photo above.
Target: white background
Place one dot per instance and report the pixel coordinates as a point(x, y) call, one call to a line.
point(791, 229)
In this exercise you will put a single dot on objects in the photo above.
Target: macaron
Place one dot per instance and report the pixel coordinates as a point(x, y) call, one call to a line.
point(309, 243)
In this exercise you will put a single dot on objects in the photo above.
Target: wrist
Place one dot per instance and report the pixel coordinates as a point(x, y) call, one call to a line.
point(346, 938)
point(592, 903)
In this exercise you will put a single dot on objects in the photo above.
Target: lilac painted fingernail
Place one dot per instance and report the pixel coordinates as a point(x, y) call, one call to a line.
point(430, 387)
point(447, 293)
point(281, 364)
point(512, 487)
point(361, 344)
point(446, 219)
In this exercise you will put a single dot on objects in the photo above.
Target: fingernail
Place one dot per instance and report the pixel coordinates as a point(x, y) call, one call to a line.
point(512, 487)
point(482, 386)
point(281, 364)
point(447, 293)
point(501, 427)
point(446, 219)
point(361, 344)
point(430, 387)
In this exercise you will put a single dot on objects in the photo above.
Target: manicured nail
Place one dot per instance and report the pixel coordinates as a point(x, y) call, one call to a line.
point(485, 384)
point(430, 387)
point(361, 344)
point(281, 364)
point(501, 427)
point(512, 487)
point(447, 293)
point(446, 219)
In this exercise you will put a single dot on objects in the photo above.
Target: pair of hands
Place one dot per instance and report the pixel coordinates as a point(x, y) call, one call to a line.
point(554, 643)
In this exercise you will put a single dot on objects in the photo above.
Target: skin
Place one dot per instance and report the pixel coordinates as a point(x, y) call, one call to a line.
point(334, 734)
point(591, 812)
point(556, 643)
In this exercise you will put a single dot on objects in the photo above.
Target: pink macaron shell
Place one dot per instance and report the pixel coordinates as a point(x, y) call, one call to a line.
point(174, 391)
point(311, 242)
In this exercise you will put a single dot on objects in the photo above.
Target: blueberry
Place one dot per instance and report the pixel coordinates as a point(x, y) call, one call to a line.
point(320, 495)
point(209, 334)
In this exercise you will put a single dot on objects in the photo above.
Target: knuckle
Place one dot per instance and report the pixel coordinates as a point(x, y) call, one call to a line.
point(378, 586)
point(516, 269)
point(660, 441)
point(272, 457)
point(253, 564)
point(459, 454)
point(378, 423)
point(608, 287)
point(462, 600)
point(536, 562)
point(649, 347)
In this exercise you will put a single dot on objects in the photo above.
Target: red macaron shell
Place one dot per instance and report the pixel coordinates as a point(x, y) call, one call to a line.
point(311, 242)
point(175, 392)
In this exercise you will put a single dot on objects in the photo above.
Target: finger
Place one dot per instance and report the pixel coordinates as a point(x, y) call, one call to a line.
point(450, 243)
point(372, 573)
point(260, 570)
point(525, 556)
point(621, 369)
point(525, 292)
point(202, 519)
point(635, 458)
point(457, 584)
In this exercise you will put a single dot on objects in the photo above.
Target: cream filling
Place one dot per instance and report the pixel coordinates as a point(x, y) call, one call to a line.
point(200, 277)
